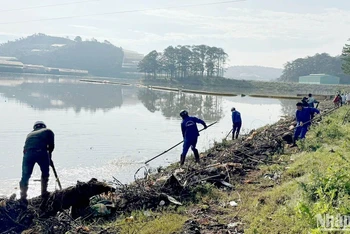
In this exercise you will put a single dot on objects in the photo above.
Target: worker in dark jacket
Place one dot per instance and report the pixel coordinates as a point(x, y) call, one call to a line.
point(190, 135)
point(37, 149)
point(304, 101)
point(303, 117)
point(236, 123)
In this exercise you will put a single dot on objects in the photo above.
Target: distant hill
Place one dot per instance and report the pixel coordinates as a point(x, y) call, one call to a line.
point(99, 58)
point(253, 73)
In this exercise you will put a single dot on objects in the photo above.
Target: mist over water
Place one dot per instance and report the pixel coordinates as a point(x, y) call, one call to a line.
point(109, 130)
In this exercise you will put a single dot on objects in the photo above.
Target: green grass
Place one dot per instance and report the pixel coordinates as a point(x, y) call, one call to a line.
point(147, 222)
point(316, 182)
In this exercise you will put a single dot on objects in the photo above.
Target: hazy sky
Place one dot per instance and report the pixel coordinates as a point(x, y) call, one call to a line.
point(252, 32)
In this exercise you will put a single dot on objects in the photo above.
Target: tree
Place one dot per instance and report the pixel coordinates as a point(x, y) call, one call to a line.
point(187, 61)
point(210, 61)
point(150, 64)
point(184, 59)
point(346, 59)
point(200, 52)
point(169, 61)
point(221, 60)
point(78, 39)
point(319, 63)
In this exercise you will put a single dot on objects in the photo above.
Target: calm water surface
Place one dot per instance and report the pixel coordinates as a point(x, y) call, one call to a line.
point(108, 130)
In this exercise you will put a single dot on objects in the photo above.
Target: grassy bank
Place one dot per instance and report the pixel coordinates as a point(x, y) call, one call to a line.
point(219, 84)
point(316, 182)
point(280, 197)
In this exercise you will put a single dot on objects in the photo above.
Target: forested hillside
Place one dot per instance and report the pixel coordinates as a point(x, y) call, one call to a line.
point(99, 58)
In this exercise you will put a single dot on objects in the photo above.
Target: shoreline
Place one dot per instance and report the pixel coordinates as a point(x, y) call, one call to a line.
point(204, 90)
point(224, 167)
point(230, 88)
point(248, 87)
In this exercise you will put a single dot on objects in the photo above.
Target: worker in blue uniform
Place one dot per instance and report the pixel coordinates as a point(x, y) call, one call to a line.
point(236, 123)
point(190, 135)
point(303, 118)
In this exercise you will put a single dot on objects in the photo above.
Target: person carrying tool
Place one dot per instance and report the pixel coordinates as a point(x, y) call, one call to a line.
point(190, 134)
point(38, 147)
point(236, 123)
point(303, 118)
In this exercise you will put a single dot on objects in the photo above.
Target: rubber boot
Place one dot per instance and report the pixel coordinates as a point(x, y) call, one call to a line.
point(24, 189)
point(44, 183)
point(182, 160)
point(236, 135)
point(196, 155)
point(44, 193)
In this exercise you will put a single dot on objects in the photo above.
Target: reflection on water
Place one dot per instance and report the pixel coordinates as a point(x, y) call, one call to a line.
point(171, 103)
point(109, 130)
point(64, 95)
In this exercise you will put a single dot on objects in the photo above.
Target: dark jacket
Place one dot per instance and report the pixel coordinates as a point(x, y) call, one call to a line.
point(304, 115)
point(189, 127)
point(40, 139)
point(305, 102)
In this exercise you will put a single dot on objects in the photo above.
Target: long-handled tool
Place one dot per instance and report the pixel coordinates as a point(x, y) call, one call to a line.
point(228, 134)
point(175, 145)
point(55, 173)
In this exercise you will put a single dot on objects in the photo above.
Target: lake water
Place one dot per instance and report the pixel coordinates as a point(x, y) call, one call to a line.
point(109, 130)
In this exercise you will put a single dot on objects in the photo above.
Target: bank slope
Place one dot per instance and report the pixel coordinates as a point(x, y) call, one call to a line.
point(316, 183)
point(294, 194)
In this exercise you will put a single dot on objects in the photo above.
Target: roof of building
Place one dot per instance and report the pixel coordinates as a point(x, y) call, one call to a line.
point(10, 63)
point(8, 58)
point(318, 75)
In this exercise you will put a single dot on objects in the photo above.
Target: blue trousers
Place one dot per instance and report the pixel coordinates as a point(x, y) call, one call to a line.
point(236, 129)
point(300, 132)
point(189, 143)
point(31, 157)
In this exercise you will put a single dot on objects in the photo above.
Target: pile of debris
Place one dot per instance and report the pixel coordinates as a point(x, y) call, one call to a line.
point(224, 165)
point(49, 214)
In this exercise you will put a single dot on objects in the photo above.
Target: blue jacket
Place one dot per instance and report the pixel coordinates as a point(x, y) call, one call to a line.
point(236, 117)
point(304, 115)
point(189, 127)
